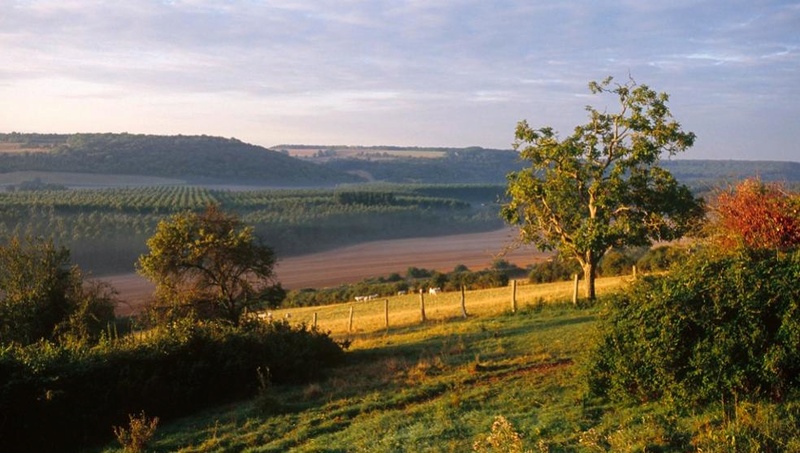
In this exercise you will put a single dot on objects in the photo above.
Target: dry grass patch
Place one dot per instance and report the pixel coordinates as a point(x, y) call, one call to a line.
point(370, 317)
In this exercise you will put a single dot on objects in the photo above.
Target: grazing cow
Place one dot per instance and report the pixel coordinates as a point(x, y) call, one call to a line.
point(434, 291)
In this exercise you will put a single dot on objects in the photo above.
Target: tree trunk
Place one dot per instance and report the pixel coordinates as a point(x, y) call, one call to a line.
point(589, 274)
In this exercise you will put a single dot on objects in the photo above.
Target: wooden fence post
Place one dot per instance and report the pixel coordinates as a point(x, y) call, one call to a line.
point(463, 302)
point(386, 312)
point(634, 272)
point(575, 290)
point(422, 305)
point(513, 296)
point(315, 320)
point(350, 324)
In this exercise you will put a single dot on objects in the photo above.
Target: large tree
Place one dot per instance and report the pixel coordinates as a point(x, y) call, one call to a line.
point(601, 187)
point(209, 262)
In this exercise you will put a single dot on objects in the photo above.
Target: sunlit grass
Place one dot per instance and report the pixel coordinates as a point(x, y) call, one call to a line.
point(370, 316)
point(433, 386)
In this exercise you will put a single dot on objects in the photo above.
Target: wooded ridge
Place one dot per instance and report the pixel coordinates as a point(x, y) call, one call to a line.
point(216, 160)
point(196, 159)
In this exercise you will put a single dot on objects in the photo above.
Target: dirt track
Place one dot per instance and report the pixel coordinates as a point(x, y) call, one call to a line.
point(371, 259)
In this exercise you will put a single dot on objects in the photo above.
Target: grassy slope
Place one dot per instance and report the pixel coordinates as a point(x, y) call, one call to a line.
point(431, 387)
point(439, 386)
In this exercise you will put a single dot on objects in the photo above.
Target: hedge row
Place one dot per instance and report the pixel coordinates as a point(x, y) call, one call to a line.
point(56, 399)
point(717, 328)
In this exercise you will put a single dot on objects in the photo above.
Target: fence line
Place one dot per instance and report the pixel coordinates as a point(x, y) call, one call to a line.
point(370, 316)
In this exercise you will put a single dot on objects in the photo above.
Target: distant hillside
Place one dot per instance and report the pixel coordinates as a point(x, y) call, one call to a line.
point(698, 173)
point(418, 165)
point(490, 166)
point(198, 159)
point(215, 160)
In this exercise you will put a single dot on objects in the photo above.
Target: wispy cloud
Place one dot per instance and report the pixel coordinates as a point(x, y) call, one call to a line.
point(355, 67)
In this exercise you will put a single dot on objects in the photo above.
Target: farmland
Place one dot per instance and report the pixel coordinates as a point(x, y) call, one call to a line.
point(371, 259)
point(106, 229)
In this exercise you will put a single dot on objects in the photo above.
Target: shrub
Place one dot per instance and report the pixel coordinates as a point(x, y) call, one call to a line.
point(718, 327)
point(136, 437)
point(503, 438)
point(554, 270)
point(615, 262)
point(661, 258)
point(758, 216)
point(73, 395)
point(43, 296)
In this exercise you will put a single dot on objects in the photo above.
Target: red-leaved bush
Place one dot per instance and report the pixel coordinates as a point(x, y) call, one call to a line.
point(759, 216)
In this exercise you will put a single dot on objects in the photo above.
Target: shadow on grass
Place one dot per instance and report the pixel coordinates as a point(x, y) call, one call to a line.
point(415, 365)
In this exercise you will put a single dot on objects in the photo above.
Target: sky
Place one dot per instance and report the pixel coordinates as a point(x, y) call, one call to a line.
point(428, 73)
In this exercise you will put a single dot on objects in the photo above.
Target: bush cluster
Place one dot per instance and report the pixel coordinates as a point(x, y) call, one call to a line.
point(57, 398)
point(614, 262)
point(719, 327)
point(661, 258)
point(556, 269)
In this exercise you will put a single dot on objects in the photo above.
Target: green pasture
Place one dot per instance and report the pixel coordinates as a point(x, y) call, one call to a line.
point(432, 386)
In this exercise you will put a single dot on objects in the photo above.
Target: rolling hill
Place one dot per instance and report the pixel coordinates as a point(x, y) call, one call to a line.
point(215, 160)
point(490, 166)
point(193, 159)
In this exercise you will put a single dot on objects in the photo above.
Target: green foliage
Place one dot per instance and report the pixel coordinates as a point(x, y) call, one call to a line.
point(457, 166)
point(364, 197)
point(616, 262)
point(106, 229)
point(209, 263)
point(717, 328)
point(602, 187)
point(661, 258)
point(92, 312)
point(553, 270)
point(55, 398)
point(43, 296)
point(751, 427)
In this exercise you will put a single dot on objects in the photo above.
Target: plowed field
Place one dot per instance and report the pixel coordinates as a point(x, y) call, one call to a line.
point(371, 259)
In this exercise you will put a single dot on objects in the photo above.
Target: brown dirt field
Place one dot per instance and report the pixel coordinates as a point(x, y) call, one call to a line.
point(20, 148)
point(371, 259)
point(373, 153)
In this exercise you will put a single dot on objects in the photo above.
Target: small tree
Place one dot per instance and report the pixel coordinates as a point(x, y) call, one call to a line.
point(209, 260)
point(43, 296)
point(601, 187)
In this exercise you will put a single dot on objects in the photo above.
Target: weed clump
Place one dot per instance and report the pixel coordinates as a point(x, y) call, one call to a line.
point(503, 438)
point(136, 437)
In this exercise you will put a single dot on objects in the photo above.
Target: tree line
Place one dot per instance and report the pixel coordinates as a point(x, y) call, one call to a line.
point(195, 158)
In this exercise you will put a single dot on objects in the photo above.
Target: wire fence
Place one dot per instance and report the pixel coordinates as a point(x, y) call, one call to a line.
point(405, 310)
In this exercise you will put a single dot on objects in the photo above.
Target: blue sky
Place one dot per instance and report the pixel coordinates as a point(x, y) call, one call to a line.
point(398, 72)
